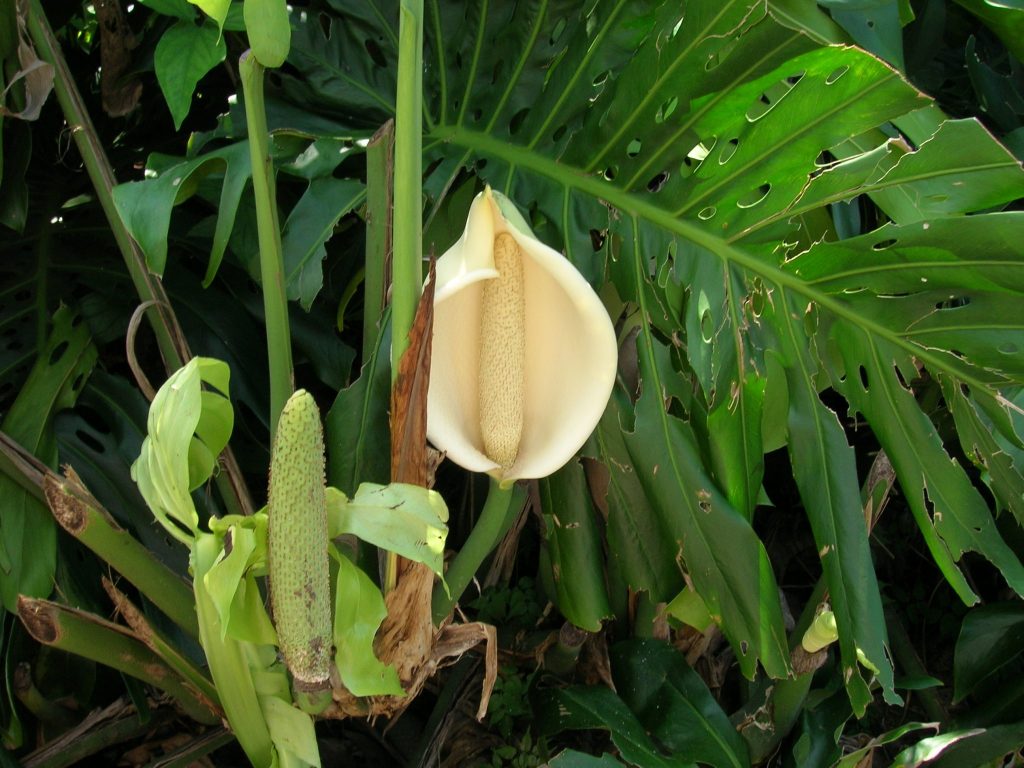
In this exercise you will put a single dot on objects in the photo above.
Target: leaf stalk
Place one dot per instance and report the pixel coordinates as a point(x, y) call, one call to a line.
point(272, 276)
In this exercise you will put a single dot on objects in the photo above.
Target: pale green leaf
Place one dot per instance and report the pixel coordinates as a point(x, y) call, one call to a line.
point(215, 9)
point(401, 518)
point(293, 733)
point(358, 612)
point(162, 470)
point(232, 587)
point(688, 608)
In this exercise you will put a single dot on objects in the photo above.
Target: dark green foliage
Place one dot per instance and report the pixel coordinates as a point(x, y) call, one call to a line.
point(815, 271)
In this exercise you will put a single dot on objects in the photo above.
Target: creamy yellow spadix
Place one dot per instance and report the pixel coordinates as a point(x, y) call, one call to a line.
point(524, 353)
point(503, 355)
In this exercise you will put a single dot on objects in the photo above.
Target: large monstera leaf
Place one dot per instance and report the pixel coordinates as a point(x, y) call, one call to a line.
point(693, 153)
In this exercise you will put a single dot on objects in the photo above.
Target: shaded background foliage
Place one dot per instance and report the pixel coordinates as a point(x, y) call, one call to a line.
point(804, 308)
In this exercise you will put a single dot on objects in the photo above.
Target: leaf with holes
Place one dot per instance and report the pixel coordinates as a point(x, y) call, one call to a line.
point(145, 206)
point(952, 515)
point(695, 155)
point(311, 224)
point(28, 534)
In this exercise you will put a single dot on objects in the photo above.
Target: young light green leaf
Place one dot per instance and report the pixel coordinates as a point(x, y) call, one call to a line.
point(185, 53)
point(688, 608)
point(232, 585)
point(215, 9)
point(162, 470)
point(293, 733)
point(401, 518)
point(230, 661)
point(358, 612)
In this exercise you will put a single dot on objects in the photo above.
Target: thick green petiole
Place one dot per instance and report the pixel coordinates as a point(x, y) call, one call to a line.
point(497, 516)
point(92, 526)
point(275, 297)
point(407, 262)
point(229, 665)
point(102, 641)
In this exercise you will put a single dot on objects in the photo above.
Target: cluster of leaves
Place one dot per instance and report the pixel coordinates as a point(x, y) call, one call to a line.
point(816, 275)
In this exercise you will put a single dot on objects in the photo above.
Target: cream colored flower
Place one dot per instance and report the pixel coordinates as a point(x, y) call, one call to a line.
point(524, 353)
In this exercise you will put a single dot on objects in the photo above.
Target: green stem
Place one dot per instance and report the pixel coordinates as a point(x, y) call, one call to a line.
point(160, 645)
point(94, 527)
point(407, 236)
point(229, 665)
point(275, 298)
point(407, 270)
point(496, 518)
point(83, 634)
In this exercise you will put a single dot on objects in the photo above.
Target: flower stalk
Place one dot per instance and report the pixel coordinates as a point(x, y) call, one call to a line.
point(272, 277)
point(504, 501)
point(407, 233)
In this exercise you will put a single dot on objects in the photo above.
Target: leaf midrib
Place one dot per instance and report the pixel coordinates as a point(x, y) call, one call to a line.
point(630, 204)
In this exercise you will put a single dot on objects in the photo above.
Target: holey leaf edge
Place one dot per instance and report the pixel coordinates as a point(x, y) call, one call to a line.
point(692, 157)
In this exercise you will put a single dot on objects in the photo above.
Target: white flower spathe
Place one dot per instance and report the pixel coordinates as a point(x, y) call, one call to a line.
point(568, 350)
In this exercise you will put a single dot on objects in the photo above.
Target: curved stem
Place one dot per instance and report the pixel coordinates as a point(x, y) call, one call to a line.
point(496, 518)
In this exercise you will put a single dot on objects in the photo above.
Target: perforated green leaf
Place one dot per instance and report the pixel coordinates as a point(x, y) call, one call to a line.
point(693, 155)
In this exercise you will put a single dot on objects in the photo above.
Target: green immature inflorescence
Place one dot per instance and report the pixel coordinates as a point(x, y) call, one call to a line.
point(298, 560)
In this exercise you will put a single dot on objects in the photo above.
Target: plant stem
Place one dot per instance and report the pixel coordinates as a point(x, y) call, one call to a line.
point(170, 338)
point(407, 270)
point(229, 666)
point(407, 236)
point(496, 518)
point(84, 519)
point(275, 298)
point(160, 645)
point(83, 634)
